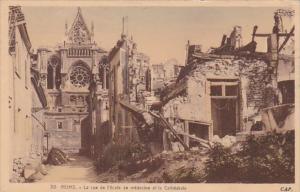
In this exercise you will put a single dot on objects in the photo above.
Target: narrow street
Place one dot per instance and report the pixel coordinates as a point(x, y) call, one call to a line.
point(79, 170)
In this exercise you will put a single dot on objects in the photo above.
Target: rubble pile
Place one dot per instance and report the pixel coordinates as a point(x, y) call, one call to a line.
point(27, 172)
point(165, 167)
point(227, 141)
point(121, 156)
point(57, 157)
point(182, 167)
point(146, 165)
point(17, 174)
point(201, 166)
point(268, 158)
point(34, 173)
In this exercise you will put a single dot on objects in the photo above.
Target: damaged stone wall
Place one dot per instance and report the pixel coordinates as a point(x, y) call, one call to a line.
point(189, 104)
point(252, 73)
point(195, 103)
point(255, 71)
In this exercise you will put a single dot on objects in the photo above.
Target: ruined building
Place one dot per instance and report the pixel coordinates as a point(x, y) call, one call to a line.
point(27, 101)
point(210, 96)
point(66, 72)
point(163, 74)
point(140, 75)
point(228, 90)
point(158, 77)
point(130, 76)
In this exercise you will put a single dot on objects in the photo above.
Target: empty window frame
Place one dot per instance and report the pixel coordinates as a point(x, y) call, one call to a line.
point(59, 125)
point(216, 90)
point(231, 90)
point(224, 89)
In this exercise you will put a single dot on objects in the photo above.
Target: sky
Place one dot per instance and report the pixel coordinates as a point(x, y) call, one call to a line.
point(160, 32)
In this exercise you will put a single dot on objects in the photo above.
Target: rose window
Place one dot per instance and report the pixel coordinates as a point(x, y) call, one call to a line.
point(80, 77)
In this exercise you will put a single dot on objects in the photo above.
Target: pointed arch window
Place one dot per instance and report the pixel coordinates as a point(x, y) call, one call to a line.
point(103, 72)
point(53, 73)
point(50, 84)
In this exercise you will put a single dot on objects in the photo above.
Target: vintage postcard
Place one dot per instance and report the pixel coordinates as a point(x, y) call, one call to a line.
point(149, 96)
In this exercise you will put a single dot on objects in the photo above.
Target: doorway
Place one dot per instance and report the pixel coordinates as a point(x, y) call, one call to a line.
point(224, 116)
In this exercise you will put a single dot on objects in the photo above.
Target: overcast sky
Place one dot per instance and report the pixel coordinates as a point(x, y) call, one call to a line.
point(160, 32)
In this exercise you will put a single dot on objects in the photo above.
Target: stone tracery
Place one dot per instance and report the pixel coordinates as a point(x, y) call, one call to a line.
point(53, 73)
point(80, 76)
point(79, 32)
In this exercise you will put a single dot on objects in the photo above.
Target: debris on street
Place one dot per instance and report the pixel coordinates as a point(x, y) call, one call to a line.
point(57, 157)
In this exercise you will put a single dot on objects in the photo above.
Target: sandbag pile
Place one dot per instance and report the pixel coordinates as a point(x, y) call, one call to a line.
point(57, 157)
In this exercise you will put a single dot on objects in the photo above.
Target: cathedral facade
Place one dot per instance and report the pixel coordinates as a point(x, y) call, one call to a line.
point(66, 73)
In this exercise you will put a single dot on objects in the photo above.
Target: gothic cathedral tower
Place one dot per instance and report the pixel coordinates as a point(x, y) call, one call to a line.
point(67, 71)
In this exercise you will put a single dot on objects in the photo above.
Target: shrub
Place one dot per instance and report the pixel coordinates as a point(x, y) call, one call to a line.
point(115, 154)
point(183, 175)
point(264, 159)
point(223, 166)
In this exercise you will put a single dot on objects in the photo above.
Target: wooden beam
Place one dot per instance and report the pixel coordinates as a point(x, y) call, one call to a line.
point(262, 34)
point(200, 140)
point(285, 34)
point(286, 39)
point(131, 108)
point(174, 90)
point(174, 132)
point(163, 121)
point(268, 34)
point(254, 32)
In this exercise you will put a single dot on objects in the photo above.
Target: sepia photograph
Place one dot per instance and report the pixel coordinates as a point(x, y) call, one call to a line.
point(149, 94)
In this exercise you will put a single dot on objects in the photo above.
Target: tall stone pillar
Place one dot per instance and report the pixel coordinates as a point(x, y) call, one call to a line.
point(104, 78)
point(54, 77)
